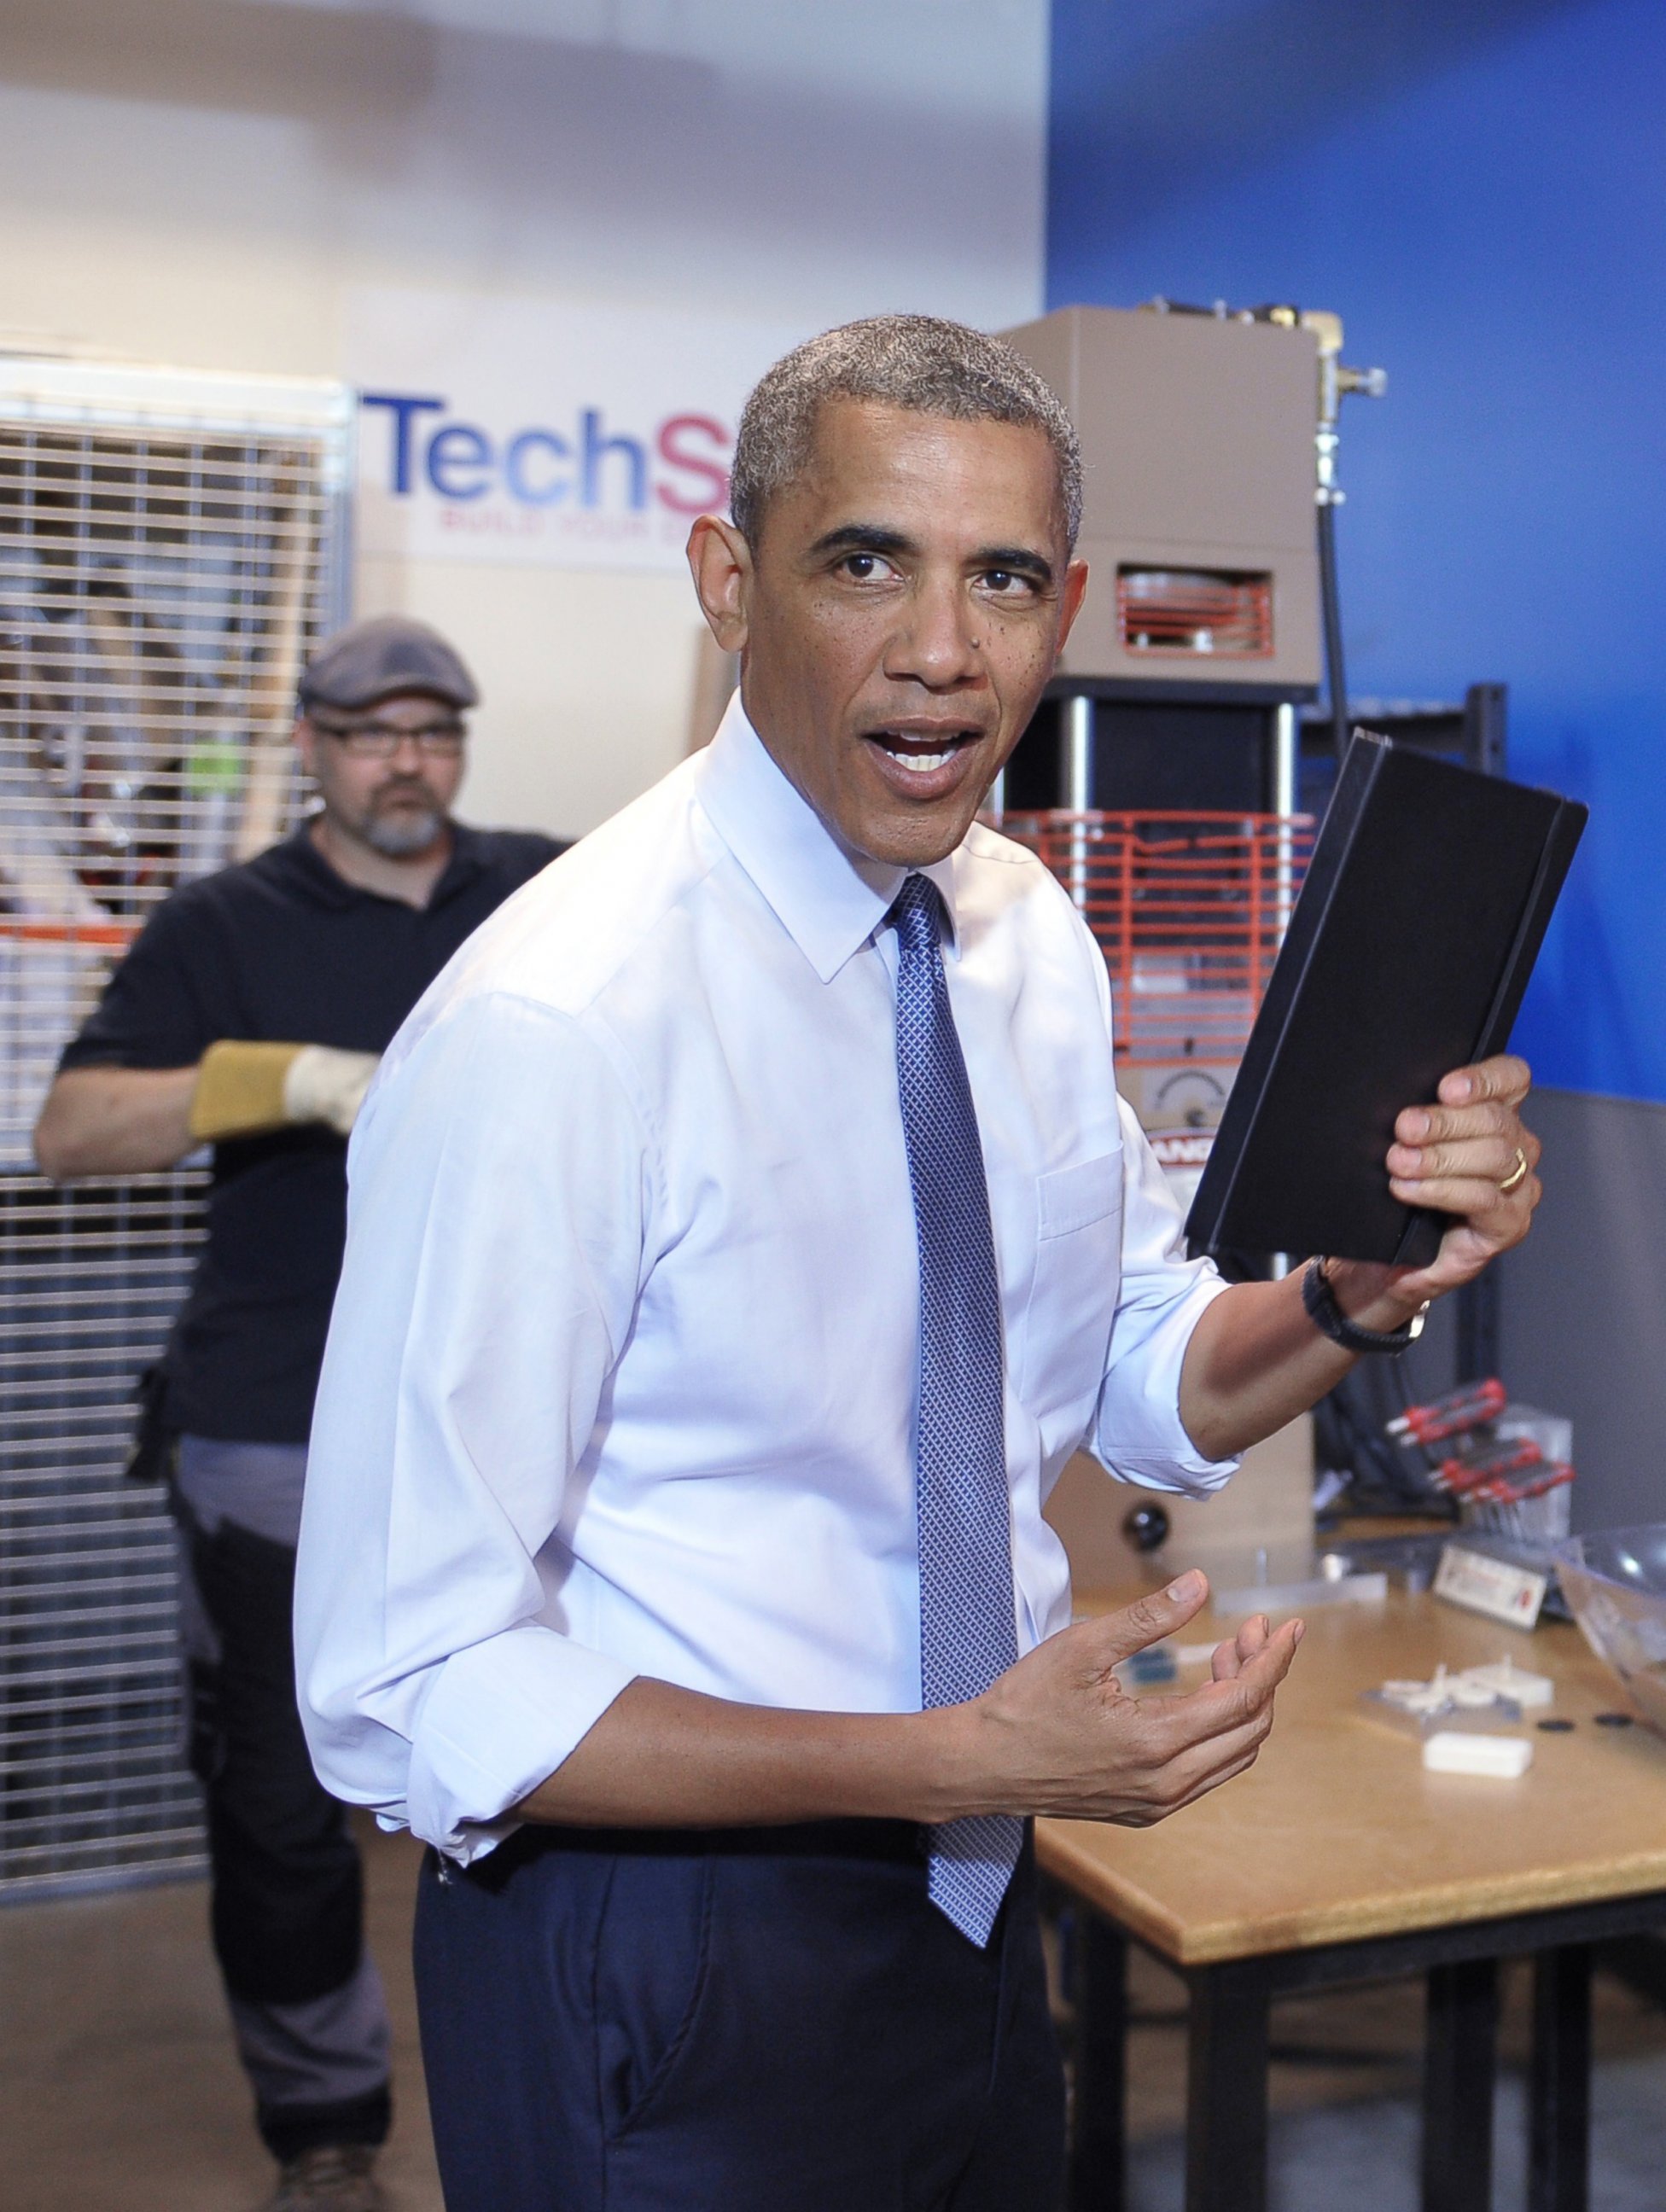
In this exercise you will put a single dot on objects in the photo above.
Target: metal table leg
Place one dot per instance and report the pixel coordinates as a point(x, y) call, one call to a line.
point(1459, 2071)
point(1559, 2157)
point(1226, 2089)
point(1098, 2144)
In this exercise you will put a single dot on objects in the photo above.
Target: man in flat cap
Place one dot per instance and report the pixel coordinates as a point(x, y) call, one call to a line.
point(250, 1015)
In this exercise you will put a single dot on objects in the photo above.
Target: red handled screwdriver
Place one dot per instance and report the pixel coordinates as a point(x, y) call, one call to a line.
point(1454, 1415)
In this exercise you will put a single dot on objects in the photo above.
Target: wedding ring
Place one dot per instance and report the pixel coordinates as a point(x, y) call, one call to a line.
point(1518, 1175)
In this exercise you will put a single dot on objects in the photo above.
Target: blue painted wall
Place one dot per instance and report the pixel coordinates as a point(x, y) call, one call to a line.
point(1479, 188)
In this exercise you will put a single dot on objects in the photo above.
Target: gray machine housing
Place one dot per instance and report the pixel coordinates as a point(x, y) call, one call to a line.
point(1197, 436)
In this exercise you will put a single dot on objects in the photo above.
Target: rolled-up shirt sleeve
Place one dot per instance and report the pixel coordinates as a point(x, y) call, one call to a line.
point(1138, 1433)
point(500, 1182)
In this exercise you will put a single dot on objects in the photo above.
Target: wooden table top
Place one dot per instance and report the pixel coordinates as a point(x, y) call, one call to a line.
point(1337, 1833)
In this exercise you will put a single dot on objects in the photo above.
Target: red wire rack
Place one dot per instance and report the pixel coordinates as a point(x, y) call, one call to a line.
point(1189, 910)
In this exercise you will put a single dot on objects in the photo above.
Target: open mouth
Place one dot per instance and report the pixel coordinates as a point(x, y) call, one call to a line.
point(923, 753)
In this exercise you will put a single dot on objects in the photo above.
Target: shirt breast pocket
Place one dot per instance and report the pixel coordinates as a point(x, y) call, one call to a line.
point(1072, 1295)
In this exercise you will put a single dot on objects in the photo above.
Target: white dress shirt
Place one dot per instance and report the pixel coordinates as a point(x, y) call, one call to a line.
point(622, 1374)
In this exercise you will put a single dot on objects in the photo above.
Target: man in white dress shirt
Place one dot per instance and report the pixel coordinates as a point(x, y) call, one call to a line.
point(748, 1197)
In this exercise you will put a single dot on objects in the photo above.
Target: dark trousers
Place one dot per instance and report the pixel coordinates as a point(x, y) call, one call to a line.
point(752, 2020)
point(287, 1902)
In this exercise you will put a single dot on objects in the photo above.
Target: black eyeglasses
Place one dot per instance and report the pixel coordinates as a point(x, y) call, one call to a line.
point(374, 740)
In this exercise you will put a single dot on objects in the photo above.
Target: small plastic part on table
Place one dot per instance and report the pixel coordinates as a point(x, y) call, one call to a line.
point(1502, 1758)
point(1507, 1680)
point(1471, 1698)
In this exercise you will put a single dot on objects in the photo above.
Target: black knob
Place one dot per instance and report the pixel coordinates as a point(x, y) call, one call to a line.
point(1146, 1527)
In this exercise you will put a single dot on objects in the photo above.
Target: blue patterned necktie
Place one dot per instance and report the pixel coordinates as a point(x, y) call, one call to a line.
point(967, 1630)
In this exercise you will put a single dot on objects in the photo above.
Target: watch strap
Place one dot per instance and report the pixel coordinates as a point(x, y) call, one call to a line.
point(1330, 1320)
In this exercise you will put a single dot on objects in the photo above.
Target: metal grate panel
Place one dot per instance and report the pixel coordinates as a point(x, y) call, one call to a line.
point(171, 546)
point(91, 1783)
point(1189, 910)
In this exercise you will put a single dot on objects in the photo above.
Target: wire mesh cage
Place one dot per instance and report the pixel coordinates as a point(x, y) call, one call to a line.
point(1189, 910)
point(171, 546)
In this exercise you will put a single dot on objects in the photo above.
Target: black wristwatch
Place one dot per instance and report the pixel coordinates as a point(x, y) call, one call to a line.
point(1328, 1318)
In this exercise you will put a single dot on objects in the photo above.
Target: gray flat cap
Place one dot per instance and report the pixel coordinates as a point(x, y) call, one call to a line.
point(373, 659)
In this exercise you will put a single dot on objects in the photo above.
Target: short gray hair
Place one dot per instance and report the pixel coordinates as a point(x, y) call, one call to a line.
point(919, 363)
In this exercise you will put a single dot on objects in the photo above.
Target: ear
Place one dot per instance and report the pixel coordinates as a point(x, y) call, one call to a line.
point(1075, 590)
point(306, 742)
point(721, 563)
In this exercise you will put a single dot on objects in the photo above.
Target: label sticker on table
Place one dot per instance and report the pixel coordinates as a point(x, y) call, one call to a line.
point(1498, 1588)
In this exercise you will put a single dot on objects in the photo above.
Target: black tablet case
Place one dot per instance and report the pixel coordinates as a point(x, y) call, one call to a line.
point(1424, 906)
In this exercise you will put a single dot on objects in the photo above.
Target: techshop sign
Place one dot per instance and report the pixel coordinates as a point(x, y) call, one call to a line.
point(525, 431)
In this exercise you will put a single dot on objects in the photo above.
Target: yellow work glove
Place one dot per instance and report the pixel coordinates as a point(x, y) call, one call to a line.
point(249, 1090)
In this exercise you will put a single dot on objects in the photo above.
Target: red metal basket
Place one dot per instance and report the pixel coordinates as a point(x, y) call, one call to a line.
point(1189, 910)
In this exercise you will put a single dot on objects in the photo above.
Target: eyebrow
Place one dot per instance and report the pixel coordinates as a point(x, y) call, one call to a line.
point(864, 537)
point(876, 537)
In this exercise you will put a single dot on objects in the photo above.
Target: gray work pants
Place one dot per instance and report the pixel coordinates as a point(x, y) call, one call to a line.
point(286, 1887)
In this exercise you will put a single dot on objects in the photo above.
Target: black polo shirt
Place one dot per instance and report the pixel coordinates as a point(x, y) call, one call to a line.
point(281, 948)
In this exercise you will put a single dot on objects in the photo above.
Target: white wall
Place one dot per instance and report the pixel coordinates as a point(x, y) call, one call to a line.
point(210, 181)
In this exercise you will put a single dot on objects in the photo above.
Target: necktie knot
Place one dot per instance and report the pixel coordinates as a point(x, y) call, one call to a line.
point(916, 915)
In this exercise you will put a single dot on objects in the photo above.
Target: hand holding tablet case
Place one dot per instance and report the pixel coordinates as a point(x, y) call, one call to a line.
point(1407, 954)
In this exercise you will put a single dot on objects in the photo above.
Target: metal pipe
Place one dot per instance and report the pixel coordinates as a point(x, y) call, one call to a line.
point(1287, 759)
point(1076, 751)
point(1330, 607)
point(1076, 774)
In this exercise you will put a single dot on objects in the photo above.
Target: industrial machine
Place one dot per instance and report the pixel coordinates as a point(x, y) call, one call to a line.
point(171, 544)
point(1170, 732)
point(1188, 744)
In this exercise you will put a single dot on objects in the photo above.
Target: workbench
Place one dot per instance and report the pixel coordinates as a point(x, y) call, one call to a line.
point(1338, 1859)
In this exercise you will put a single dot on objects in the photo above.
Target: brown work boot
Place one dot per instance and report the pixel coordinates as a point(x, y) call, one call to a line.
point(330, 2177)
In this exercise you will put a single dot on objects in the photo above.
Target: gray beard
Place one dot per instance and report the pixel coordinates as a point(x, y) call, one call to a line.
point(396, 837)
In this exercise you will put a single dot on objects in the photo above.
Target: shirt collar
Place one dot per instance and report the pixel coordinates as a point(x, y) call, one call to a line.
point(830, 900)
